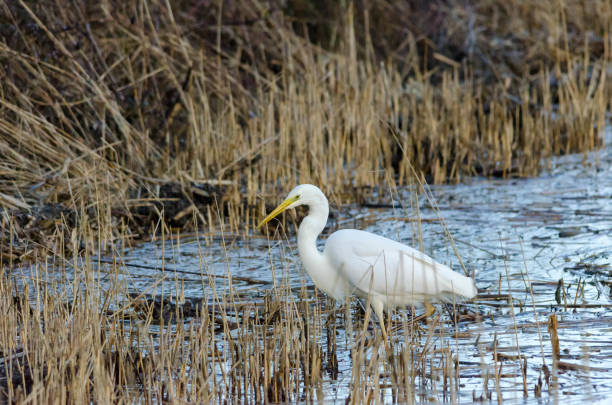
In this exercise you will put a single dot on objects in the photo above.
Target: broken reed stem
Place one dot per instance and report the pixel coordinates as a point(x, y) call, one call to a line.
point(554, 338)
point(498, 370)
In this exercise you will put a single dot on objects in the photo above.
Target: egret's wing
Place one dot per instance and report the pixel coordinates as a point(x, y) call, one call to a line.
point(375, 264)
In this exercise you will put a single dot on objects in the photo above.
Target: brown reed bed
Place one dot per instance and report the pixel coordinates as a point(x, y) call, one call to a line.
point(123, 121)
point(124, 110)
point(98, 342)
point(77, 329)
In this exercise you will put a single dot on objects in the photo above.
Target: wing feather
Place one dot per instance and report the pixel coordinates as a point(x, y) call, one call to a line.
point(386, 268)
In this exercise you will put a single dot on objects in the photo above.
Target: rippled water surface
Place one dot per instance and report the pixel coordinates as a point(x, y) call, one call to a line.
point(513, 234)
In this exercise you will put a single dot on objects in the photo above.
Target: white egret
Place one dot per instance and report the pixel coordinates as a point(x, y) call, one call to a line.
point(372, 267)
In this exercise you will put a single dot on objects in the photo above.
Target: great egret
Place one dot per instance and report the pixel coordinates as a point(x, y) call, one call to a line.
point(372, 267)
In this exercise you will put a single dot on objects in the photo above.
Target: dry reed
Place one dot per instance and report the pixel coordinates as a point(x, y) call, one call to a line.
point(129, 120)
point(121, 109)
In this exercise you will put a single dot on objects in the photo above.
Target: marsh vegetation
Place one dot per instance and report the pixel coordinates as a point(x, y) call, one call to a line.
point(140, 141)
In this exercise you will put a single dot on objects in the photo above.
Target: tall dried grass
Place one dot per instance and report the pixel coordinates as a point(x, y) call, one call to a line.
point(73, 330)
point(105, 107)
point(105, 103)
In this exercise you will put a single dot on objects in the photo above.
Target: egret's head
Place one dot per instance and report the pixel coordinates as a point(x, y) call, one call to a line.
point(303, 194)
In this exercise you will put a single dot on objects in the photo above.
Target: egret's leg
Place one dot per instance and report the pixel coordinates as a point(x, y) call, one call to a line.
point(376, 314)
point(452, 313)
point(363, 305)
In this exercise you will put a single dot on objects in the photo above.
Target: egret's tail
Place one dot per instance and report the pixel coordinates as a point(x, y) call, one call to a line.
point(459, 286)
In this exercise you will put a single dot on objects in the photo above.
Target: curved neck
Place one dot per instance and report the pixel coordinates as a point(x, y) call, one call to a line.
point(310, 228)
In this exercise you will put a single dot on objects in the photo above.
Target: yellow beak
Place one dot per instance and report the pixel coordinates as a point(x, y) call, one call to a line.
point(282, 207)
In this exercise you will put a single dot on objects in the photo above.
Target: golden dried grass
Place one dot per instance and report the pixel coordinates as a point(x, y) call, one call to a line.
point(102, 105)
point(117, 98)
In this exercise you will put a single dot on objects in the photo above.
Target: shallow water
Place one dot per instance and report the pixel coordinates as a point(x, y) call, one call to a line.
point(530, 232)
point(513, 234)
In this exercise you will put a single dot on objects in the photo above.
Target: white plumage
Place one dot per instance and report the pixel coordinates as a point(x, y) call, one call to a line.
point(372, 267)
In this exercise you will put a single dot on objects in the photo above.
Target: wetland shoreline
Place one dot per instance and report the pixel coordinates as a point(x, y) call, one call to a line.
point(538, 284)
point(140, 142)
